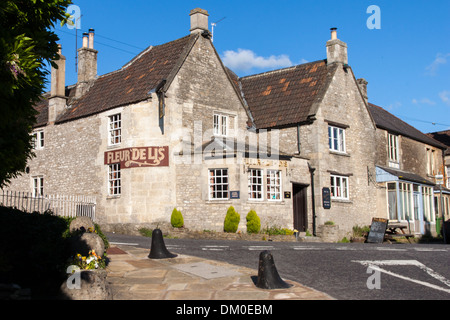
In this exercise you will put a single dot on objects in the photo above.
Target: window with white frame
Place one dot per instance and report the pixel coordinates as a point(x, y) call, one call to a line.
point(114, 180)
point(273, 185)
point(339, 187)
point(336, 138)
point(255, 184)
point(430, 161)
point(38, 186)
point(448, 177)
point(115, 129)
point(218, 184)
point(220, 125)
point(38, 140)
point(393, 148)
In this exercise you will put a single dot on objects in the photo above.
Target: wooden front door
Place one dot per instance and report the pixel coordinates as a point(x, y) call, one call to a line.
point(300, 207)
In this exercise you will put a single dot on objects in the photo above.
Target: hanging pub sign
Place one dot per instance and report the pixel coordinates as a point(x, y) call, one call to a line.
point(326, 198)
point(138, 157)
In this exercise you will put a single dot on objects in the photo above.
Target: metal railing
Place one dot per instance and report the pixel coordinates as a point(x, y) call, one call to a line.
point(61, 205)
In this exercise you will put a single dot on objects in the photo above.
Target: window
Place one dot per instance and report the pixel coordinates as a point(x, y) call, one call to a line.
point(115, 129)
point(336, 139)
point(255, 184)
point(218, 184)
point(448, 176)
point(274, 185)
point(427, 202)
point(220, 125)
point(38, 187)
point(339, 187)
point(38, 140)
point(430, 161)
point(114, 180)
point(393, 149)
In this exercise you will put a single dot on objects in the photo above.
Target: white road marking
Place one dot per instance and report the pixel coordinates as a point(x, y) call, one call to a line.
point(124, 244)
point(375, 265)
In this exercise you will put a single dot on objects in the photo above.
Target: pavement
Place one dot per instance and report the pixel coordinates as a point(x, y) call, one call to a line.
point(134, 276)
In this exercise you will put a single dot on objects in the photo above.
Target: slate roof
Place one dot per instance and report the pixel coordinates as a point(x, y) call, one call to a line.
point(387, 121)
point(409, 176)
point(131, 84)
point(287, 96)
point(443, 137)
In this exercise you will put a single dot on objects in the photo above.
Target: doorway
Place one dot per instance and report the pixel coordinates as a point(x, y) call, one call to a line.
point(299, 200)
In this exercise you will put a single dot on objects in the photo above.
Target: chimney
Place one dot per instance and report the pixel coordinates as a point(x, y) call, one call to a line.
point(87, 64)
point(362, 83)
point(57, 100)
point(336, 49)
point(199, 20)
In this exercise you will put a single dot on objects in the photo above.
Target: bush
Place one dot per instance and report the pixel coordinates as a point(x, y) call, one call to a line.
point(253, 222)
point(231, 222)
point(176, 219)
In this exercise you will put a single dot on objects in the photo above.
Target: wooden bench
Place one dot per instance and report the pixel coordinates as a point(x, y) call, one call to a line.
point(397, 231)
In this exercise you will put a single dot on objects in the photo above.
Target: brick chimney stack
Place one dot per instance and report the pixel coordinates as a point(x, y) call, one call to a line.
point(336, 49)
point(58, 99)
point(199, 20)
point(87, 64)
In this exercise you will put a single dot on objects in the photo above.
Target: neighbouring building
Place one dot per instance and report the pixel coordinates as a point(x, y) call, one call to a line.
point(443, 203)
point(175, 128)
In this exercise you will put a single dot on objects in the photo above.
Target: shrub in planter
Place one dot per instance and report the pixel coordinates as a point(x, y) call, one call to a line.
point(176, 219)
point(253, 222)
point(231, 222)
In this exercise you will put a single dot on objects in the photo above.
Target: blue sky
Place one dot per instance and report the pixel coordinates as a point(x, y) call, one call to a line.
point(406, 60)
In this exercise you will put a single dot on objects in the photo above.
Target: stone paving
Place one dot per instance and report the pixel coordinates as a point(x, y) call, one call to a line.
point(133, 276)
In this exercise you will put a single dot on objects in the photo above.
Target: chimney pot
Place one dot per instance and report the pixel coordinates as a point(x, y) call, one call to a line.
point(333, 33)
point(91, 38)
point(57, 100)
point(85, 39)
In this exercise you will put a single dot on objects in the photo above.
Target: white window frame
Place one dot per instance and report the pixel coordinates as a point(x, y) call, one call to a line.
point(219, 188)
point(38, 186)
point(114, 180)
point(255, 184)
point(448, 176)
point(430, 161)
point(115, 129)
point(336, 139)
point(274, 185)
point(339, 187)
point(38, 140)
point(220, 125)
point(393, 153)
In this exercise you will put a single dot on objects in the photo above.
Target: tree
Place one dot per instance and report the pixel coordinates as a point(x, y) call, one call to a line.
point(26, 44)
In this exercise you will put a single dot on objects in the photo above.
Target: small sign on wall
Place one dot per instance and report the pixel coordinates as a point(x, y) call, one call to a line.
point(235, 194)
point(287, 194)
point(326, 198)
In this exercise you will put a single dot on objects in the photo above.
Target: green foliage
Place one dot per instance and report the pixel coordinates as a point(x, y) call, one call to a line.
point(176, 219)
point(253, 222)
point(231, 222)
point(34, 249)
point(26, 45)
point(329, 223)
point(278, 231)
point(361, 231)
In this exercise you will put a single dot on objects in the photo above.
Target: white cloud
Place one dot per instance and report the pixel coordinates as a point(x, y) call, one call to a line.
point(424, 101)
point(445, 97)
point(244, 60)
point(440, 60)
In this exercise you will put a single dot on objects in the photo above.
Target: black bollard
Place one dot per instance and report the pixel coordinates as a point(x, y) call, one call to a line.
point(268, 277)
point(158, 249)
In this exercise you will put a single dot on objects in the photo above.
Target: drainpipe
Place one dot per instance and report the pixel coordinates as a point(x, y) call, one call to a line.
point(311, 171)
point(298, 139)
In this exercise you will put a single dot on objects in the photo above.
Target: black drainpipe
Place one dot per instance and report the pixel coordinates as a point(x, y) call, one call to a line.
point(311, 171)
point(298, 139)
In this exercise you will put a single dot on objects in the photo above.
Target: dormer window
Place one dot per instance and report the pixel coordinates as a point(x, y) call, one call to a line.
point(220, 125)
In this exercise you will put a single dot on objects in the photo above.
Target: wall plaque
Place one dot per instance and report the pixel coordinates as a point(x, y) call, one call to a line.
point(138, 157)
point(235, 194)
